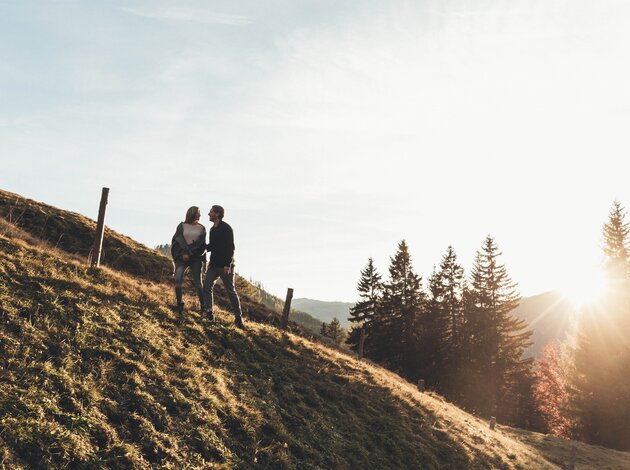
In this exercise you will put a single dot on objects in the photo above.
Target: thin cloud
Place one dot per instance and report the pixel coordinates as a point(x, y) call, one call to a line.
point(187, 14)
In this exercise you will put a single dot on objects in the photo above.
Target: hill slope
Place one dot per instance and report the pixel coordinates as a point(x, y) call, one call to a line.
point(74, 234)
point(98, 372)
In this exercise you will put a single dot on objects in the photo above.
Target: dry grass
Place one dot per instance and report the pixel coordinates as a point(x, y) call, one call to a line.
point(558, 450)
point(98, 372)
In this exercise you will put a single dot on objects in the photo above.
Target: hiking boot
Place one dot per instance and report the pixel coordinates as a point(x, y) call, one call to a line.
point(209, 316)
point(238, 322)
point(180, 308)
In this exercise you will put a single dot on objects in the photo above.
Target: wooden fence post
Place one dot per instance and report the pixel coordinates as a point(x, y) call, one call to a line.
point(287, 309)
point(493, 423)
point(572, 458)
point(95, 259)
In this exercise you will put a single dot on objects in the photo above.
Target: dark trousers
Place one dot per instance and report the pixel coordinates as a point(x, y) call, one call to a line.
point(212, 274)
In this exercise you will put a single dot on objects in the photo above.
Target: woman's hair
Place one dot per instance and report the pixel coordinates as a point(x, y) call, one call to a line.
point(193, 214)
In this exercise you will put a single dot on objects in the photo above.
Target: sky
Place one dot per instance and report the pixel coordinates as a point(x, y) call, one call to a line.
point(329, 130)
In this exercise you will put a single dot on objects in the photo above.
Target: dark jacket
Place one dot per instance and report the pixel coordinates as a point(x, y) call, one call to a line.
point(196, 249)
point(221, 245)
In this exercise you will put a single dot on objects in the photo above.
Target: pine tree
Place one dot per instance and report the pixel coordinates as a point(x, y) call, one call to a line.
point(335, 331)
point(451, 289)
point(395, 330)
point(616, 253)
point(495, 376)
point(441, 325)
point(601, 390)
point(364, 311)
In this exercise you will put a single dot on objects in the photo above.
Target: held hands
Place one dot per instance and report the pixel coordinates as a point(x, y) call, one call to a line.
point(226, 270)
point(186, 257)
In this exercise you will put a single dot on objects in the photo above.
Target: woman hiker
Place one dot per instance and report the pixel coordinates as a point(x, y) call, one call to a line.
point(188, 248)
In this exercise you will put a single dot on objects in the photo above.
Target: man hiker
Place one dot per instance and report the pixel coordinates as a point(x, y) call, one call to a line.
point(221, 248)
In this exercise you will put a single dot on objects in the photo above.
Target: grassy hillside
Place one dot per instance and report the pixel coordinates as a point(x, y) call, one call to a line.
point(98, 372)
point(558, 451)
point(74, 234)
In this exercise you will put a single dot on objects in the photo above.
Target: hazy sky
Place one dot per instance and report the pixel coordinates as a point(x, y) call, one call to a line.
point(329, 130)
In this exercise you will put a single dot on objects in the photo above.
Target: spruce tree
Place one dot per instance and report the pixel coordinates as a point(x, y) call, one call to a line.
point(601, 390)
point(335, 331)
point(396, 327)
point(496, 377)
point(362, 314)
point(440, 347)
point(616, 230)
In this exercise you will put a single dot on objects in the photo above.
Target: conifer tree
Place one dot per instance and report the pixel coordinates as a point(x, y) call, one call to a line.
point(362, 314)
point(441, 324)
point(616, 252)
point(396, 327)
point(601, 390)
point(495, 376)
point(335, 331)
point(452, 287)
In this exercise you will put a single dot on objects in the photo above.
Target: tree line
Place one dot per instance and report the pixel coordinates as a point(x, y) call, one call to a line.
point(459, 334)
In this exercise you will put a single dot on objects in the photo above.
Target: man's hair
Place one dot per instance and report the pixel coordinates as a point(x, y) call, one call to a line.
point(219, 211)
point(193, 214)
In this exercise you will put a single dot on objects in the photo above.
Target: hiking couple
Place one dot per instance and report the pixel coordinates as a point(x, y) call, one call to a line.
point(188, 249)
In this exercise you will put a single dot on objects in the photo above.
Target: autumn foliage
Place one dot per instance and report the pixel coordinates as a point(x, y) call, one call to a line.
point(550, 393)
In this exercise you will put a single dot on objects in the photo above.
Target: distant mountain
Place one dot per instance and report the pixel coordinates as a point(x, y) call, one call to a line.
point(549, 315)
point(325, 311)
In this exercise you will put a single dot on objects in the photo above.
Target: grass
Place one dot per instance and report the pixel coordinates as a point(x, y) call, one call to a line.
point(98, 372)
point(73, 234)
point(558, 451)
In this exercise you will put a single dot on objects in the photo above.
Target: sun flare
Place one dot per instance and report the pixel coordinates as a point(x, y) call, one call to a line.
point(584, 288)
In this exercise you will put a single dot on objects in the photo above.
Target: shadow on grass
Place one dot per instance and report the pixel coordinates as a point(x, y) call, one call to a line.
point(316, 414)
point(112, 380)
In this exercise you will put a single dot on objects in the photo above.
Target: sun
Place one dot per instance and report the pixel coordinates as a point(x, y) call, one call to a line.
point(584, 287)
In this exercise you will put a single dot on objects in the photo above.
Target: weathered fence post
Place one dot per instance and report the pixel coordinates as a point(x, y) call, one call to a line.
point(493, 423)
point(287, 309)
point(361, 343)
point(95, 259)
point(421, 385)
point(572, 458)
